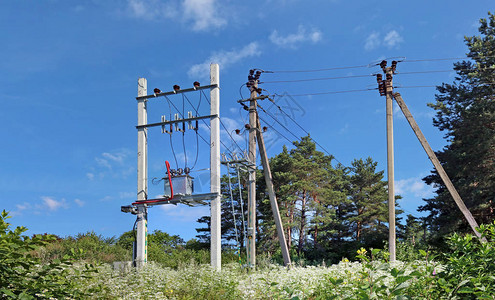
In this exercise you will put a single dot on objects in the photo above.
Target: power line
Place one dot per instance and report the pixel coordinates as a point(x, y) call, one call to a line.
point(276, 120)
point(316, 79)
point(271, 100)
point(449, 58)
point(403, 59)
point(227, 148)
point(315, 70)
point(279, 133)
point(224, 127)
point(326, 93)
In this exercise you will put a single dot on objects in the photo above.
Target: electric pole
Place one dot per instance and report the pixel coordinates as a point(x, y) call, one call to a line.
point(251, 230)
point(141, 252)
point(386, 87)
point(438, 166)
point(215, 209)
point(273, 197)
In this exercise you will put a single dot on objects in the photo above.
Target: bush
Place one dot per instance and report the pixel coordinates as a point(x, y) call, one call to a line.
point(23, 276)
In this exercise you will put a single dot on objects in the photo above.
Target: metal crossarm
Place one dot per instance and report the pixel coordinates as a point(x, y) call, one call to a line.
point(177, 92)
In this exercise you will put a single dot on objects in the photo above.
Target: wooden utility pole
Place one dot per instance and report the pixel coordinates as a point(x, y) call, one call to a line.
point(251, 230)
point(390, 156)
point(438, 166)
point(273, 198)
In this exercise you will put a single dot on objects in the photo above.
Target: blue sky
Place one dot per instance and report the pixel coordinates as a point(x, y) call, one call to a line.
point(69, 73)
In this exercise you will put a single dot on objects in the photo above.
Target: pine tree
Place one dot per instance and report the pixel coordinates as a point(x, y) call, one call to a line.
point(465, 110)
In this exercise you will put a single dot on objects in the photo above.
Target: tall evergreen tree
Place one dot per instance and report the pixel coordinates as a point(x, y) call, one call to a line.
point(368, 210)
point(465, 111)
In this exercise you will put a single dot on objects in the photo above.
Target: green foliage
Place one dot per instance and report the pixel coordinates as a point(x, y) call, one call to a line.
point(89, 247)
point(465, 111)
point(24, 276)
point(470, 266)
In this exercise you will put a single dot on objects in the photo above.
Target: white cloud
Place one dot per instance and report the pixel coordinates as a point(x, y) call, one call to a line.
point(414, 186)
point(114, 163)
point(151, 9)
point(392, 39)
point(51, 204)
point(224, 59)
point(372, 41)
point(106, 198)
point(292, 40)
point(23, 206)
point(79, 202)
point(203, 14)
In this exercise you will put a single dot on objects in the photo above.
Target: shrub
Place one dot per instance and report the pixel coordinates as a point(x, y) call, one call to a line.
point(22, 275)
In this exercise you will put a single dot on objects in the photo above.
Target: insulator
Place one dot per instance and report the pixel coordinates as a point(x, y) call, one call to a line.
point(381, 88)
point(187, 170)
point(388, 77)
point(173, 172)
point(196, 84)
point(247, 126)
point(245, 106)
point(176, 88)
point(237, 131)
point(379, 78)
point(180, 171)
point(259, 90)
point(251, 72)
point(157, 91)
point(265, 128)
point(383, 64)
point(394, 63)
point(249, 84)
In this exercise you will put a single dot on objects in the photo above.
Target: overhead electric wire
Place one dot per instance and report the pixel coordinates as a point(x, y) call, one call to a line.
point(448, 58)
point(224, 127)
point(371, 64)
point(227, 148)
point(171, 142)
point(276, 120)
point(326, 93)
point(299, 125)
point(315, 70)
point(183, 134)
point(317, 79)
point(279, 133)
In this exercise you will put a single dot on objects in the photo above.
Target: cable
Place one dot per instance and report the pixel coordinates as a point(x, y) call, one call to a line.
point(421, 86)
point(223, 125)
point(232, 204)
point(275, 130)
point(242, 202)
point(197, 149)
point(316, 79)
point(316, 70)
point(271, 100)
point(276, 120)
point(450, 58)
point(240, 90)
point(183, 135)
point(325, 93)
point(171, 143)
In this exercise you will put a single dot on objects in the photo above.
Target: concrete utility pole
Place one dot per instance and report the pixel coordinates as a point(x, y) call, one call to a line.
point(215, 213)
point(273, 198)
point(251, 230)
point(438, 166)
point(390, 156)
point(142, 177)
